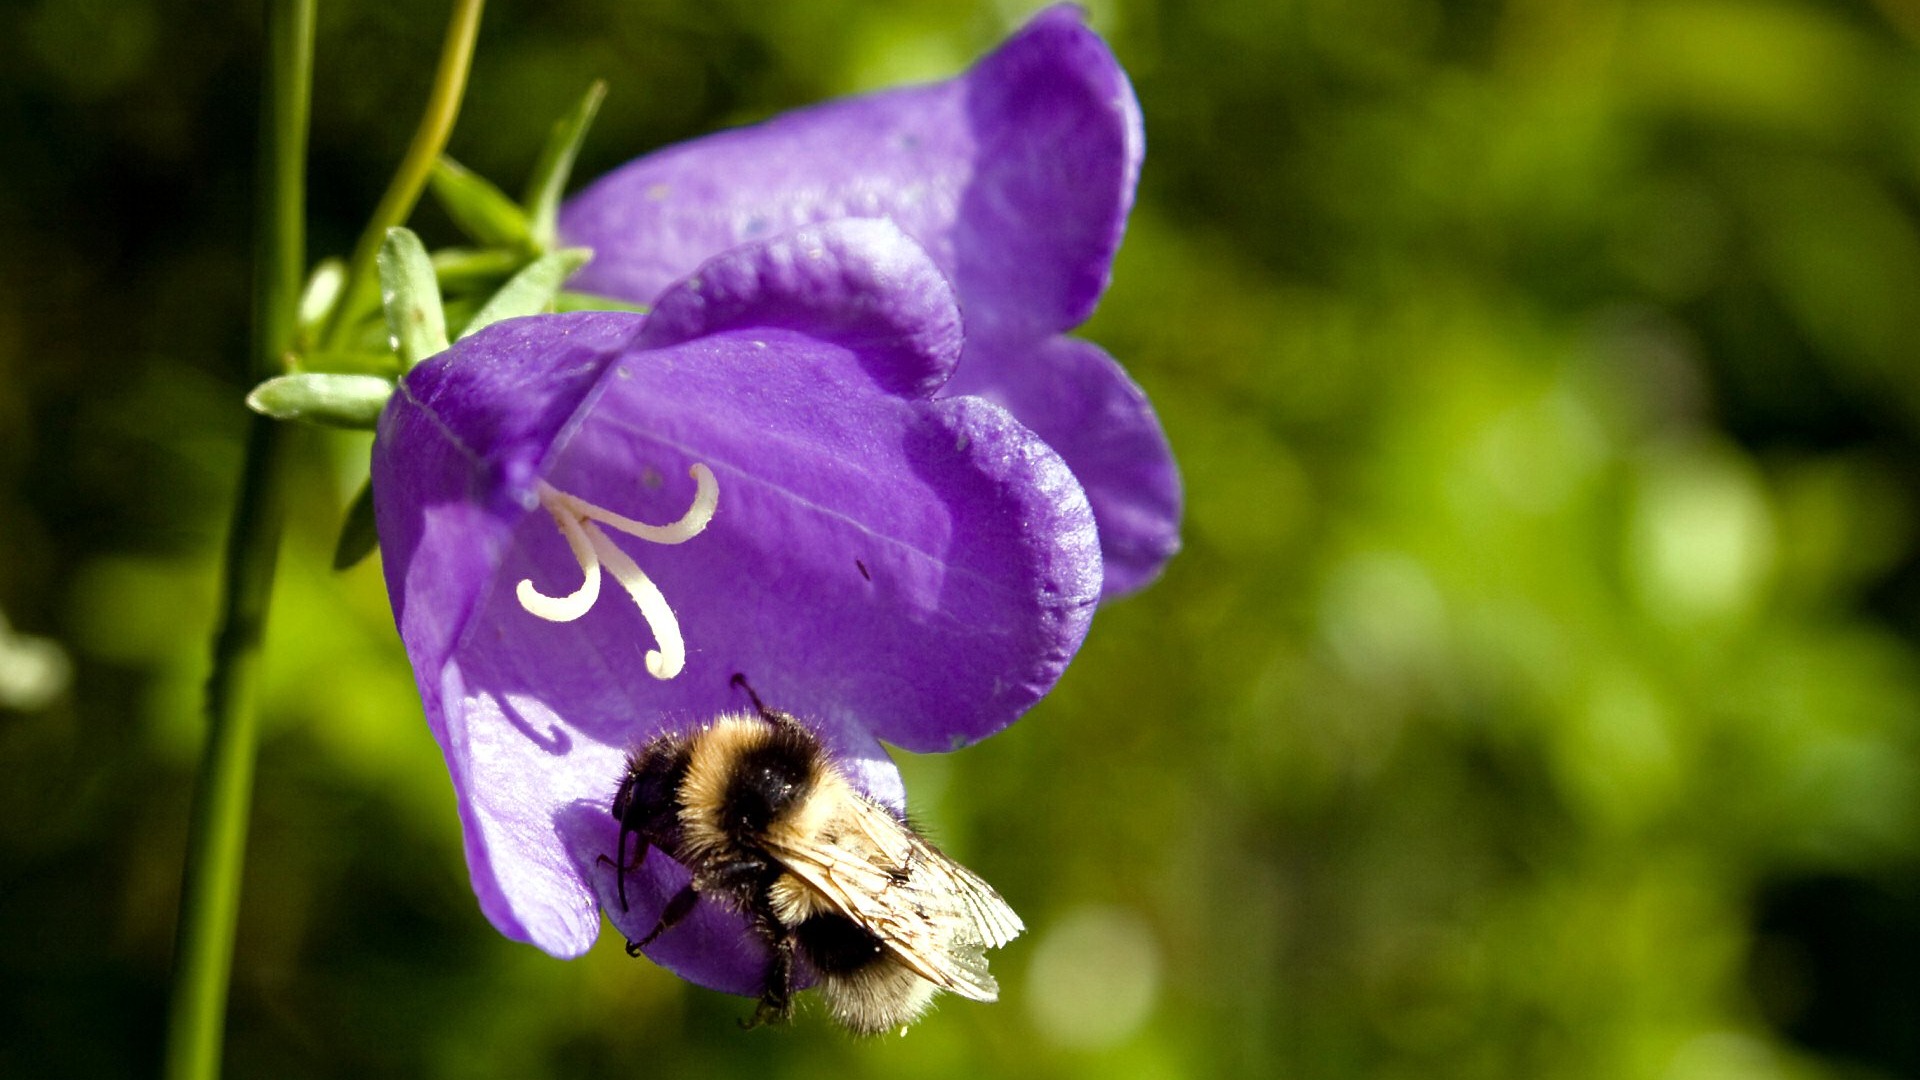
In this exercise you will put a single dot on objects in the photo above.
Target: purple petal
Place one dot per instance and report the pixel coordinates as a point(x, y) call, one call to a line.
point(861, 283)
point(883, 565)
point(1016, 177)
point(1078, 399)
point(912, 569)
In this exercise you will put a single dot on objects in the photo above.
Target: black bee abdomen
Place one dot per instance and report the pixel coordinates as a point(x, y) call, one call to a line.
point(836, 945)
point(768, 781)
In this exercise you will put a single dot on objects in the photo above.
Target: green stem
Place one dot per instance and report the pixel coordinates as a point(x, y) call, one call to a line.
point(217, 833)
point(429, 139)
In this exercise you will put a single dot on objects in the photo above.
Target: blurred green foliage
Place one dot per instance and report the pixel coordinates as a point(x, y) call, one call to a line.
point(1538, 694)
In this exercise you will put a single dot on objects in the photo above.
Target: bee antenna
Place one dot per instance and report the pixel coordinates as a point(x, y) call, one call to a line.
point(759, 706)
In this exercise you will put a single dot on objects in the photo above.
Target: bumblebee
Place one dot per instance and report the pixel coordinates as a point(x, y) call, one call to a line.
point(756, 810)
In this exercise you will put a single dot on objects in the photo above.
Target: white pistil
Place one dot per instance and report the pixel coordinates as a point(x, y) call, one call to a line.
point(666, 661)
point(576, 603)
point(580, 522)
point(706, 496)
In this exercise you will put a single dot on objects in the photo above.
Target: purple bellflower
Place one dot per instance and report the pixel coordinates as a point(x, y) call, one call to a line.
point(796, 467)
point(1016, 177)
point(768, 470)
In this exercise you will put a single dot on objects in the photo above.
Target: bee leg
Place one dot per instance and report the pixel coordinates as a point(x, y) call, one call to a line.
point(776, 994)
point(776, 999)
point(620, 876)
point(677, 908)
point(622, 869)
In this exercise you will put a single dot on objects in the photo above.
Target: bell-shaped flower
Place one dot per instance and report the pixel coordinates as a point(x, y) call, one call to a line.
point(1016, 177)
point(592, 522)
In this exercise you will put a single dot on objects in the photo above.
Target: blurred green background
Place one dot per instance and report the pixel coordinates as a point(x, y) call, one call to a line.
point(1538, 694)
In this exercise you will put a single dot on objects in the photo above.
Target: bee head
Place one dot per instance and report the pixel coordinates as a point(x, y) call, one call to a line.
point(649, 792)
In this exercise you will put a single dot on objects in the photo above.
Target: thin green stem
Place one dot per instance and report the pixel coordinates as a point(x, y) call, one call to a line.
point(410, 179)
point(217, 833)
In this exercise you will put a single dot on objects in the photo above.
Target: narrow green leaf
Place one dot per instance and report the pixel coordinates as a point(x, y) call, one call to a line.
point(480, 209)
point(468, 269)
point(403, 191)
point(550, 173)
point(532, 290)
point(568, 300)
point(416, 325)
point(347, 401)
point(358, 537)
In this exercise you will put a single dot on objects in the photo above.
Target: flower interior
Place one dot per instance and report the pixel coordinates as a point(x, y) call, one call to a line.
point(580, 521)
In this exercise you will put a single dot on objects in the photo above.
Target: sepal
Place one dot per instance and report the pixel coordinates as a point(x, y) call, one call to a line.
point(410, 295)
point(531, 291)
point(358, 539)
point(555, 165)
point(568, 300)
point(480, 209)
point(322, 291)
point(329, 400)
point(462, 269)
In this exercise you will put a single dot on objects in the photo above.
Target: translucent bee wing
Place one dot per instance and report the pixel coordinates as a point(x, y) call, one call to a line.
point(932, 914)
